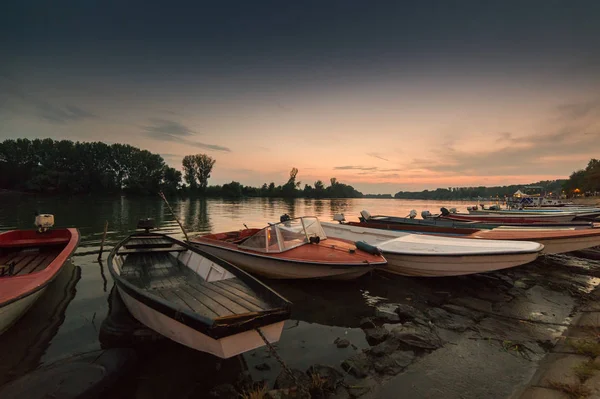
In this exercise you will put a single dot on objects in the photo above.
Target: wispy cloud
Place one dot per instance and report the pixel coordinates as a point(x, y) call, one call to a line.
point(352, 167)
point(377, 155)
point(573, 131)
point(46, 110)
point(169, 130)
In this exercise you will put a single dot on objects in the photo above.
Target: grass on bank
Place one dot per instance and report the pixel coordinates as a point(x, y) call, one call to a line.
point(573, 391)
point(585, 370)
point(586, 347)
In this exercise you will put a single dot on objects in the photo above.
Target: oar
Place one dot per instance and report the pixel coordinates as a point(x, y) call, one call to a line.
point(173, 213)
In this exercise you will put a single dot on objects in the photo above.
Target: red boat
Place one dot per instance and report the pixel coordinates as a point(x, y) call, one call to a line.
point(29, 261)
point(293, 249)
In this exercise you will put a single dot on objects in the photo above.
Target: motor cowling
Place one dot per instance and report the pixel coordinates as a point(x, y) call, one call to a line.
point(44, 221)
point(365, 214)
point(339, 217)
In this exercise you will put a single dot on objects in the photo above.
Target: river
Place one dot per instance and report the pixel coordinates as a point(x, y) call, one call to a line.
point(67, 320)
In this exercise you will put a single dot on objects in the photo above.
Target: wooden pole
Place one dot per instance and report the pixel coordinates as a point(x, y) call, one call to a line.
point(103, 238)
point(173, 213)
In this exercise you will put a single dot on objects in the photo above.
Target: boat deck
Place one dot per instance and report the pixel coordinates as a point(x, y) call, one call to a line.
point(161, 274)
point(27, 260)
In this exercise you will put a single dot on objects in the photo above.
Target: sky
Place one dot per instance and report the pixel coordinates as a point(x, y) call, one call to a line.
point(386, 96)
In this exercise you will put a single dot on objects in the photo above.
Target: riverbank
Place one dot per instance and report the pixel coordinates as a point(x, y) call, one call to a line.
point(476, 336)
point(572, 368)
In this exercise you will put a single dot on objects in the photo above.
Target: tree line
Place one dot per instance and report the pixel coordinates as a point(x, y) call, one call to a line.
point(584, 181)
point(473, 193)
point(67, 167)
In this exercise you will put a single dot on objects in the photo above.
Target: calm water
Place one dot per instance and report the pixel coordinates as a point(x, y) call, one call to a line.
point(67, 320)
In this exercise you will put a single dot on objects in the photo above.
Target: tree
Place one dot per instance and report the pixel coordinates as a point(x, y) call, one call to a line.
point(232, 190)
point(289, 188)
point(171, 180)
point(189, 171)
point(197, 169)
point(319, 191)
point(204, 165)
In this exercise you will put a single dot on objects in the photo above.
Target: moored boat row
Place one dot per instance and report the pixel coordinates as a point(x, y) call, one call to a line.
point(204, 292)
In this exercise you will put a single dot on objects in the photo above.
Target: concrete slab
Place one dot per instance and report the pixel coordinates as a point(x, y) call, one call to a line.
point(590, 319)
point(543, 393)
point(558, 367)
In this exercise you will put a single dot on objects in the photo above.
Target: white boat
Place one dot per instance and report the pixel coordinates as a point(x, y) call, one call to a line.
point(424, 255)
point(575, 212)
point(194, 298)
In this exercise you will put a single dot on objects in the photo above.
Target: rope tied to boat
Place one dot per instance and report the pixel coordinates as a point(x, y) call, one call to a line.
point(280, 360)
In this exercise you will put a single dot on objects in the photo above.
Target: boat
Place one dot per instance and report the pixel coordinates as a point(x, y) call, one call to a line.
point(433, 256)
point(29, 261)
point(501, 219)
point(24, 345)
point(577, 212)
point(429, 224)
point(555, 241)
point(291, 249)
point(193, 297)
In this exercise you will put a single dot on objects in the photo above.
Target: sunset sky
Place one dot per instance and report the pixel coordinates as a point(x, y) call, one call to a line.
point(383, 95)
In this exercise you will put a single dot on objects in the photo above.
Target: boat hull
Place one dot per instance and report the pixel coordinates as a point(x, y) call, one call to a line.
point(441, 266)
point(285, 269)
point(225, 347)
point(510, 218)
point(428, 255)
point(553, 242)
point(12, 312)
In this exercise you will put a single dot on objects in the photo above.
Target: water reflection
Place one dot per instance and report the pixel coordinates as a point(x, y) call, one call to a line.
point(23, 345)
point(340, 206)
point(321, 312)
point(290, 206)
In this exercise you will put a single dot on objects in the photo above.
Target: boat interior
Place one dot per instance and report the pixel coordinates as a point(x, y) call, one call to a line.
point(170, 271)
point(28, 259)
point(234, 237)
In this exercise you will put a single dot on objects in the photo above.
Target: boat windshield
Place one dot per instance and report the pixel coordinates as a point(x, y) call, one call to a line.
point(286, 235)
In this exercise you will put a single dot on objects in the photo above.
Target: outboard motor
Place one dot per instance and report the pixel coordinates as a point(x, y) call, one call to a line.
point(284, 218)
point(425, 214)
point(339, 217)
point(146, 224)
point(412, 214)
point(365, 215)
point(445, 211)
point(44, 222)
